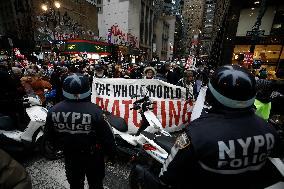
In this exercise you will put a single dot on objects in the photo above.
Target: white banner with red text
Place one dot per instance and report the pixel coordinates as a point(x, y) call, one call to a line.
point(172, 105)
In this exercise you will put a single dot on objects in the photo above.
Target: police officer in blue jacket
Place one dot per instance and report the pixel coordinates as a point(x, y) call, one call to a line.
point(229, 146)
point(76, 126)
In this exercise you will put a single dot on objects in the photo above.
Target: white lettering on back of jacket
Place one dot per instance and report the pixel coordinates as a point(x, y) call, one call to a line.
point(254, 150)
point(72, 122)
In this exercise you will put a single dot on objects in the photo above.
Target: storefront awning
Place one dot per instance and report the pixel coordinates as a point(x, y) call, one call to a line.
point(85, 46)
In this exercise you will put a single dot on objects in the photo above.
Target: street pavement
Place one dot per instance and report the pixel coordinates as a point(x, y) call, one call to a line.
point(46, 174)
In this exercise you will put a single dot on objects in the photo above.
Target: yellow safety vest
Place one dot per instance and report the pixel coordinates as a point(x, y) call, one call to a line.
point(262, 109)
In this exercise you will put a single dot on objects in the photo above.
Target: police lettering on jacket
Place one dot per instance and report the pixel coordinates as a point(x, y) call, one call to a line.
point(243, 152)
point(72, 122)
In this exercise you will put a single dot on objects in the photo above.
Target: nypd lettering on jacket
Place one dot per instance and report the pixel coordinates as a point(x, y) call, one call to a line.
point(243, 154)
point(72, 122)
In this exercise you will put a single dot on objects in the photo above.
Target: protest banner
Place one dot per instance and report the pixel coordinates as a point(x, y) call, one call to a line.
point(172, 104)
point(199, 104)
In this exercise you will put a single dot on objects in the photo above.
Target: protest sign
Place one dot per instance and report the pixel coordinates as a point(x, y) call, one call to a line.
point(172, 104)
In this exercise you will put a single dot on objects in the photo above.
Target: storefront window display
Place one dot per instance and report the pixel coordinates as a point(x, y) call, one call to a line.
point(267, 55)
point(84, 49)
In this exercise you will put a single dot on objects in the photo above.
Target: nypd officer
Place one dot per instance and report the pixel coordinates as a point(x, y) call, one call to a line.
point(229, 146)
point(76, 126)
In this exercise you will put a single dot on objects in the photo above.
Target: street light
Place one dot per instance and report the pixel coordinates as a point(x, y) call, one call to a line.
point(44, 7)
point(51, 14)
point(57, 4)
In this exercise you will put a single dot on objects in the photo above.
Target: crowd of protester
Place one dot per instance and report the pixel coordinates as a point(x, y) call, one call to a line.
point(34, 78)
point(18, 79)
point(30, 78)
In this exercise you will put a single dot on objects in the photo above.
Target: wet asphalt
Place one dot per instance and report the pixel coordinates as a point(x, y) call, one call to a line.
point(47, 174)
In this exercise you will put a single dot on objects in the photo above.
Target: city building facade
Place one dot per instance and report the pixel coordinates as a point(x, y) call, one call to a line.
point(118, 22)
point(171, 37)
point(73, 19)
point(179, 35)
point(263, 47)
point(207, 28)
point(16, 22)
point(128, 24)
point(147, 28)
point(163, 42)
point(34, 23)
point(221, 9)
point(137, 24)
point(192, 14)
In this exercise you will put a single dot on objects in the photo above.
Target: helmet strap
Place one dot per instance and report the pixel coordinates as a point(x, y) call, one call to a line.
point(230, 102)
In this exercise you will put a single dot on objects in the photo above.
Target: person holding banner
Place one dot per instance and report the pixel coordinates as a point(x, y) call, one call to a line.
point(135, 73)
point(149, 73)
point(188, 82)
point(171, 76)
point(99, 71)
point(229, 146)
point(77, 127)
